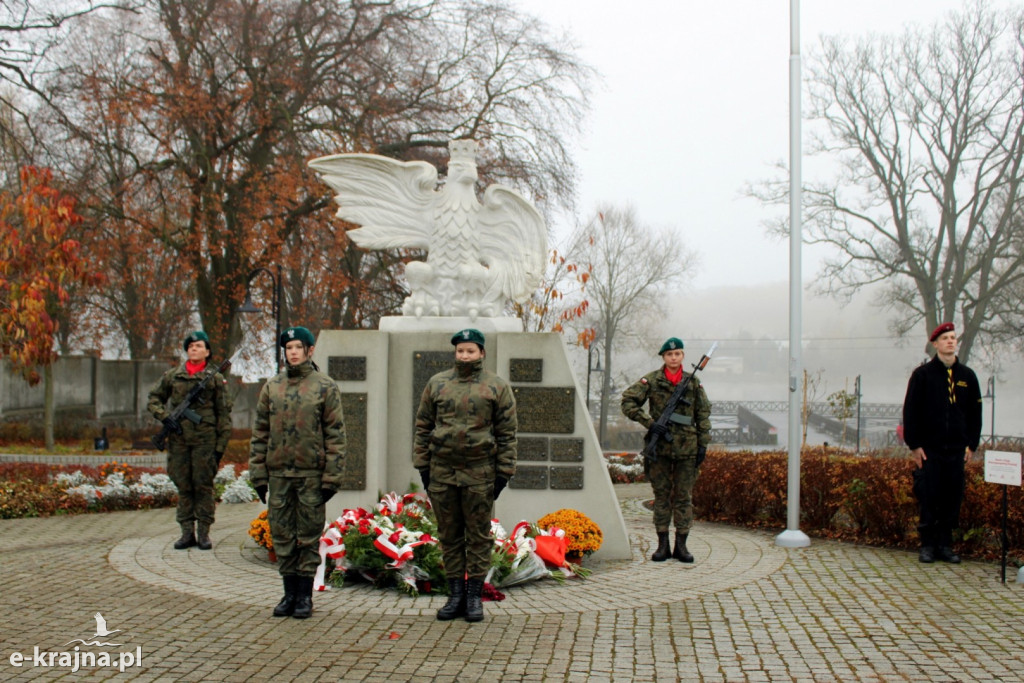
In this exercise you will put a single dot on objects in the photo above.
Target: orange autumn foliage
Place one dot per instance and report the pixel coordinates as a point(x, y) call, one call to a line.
point(38, 261)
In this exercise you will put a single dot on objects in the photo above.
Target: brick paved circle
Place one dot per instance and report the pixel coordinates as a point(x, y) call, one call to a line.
point(234, 571)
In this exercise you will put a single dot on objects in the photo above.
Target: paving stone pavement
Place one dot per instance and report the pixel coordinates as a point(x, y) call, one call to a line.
point(746, 610)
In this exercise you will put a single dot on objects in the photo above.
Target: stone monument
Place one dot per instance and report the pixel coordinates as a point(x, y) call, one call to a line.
point(479, 255)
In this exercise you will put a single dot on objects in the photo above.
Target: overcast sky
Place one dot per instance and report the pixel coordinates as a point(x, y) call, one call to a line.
point(695, 103)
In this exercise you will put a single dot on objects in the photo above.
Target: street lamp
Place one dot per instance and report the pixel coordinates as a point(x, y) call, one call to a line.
point(591, 368)
point(856, 392)
point(990, 392)
point(249, 307)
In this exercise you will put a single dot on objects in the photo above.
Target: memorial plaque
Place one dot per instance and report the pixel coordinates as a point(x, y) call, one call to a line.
point(347, 368)
point(529, 477)
point(532, 448)
point(567, 478)
point(353, 468)
point(526, 369)
point(567, 450)
point(546, 410)
point(426, 364)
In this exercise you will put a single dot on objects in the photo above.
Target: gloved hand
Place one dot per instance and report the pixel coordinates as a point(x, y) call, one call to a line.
point(172, 425)
point(425, 477)
point(499, 485)
point(326, 494)
point(261, 491)
point(218, 455)
point(659, 430)
point(702, 452)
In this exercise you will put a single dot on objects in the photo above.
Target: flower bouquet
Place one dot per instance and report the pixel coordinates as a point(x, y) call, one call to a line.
point(259, 530)
point(394, 544)
point(582, 534)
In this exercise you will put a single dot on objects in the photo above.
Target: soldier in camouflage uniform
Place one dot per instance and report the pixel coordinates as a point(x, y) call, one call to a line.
point(295, 463)
point(674, 470)
point(465, 451)
point(194, 450)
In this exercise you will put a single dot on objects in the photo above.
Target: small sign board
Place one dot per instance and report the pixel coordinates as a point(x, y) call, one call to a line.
point(1002, 467)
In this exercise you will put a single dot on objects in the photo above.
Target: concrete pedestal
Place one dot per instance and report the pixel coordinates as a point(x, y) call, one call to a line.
point(382, 374)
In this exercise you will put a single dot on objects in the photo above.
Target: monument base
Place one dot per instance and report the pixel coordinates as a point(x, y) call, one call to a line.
point(382, 374)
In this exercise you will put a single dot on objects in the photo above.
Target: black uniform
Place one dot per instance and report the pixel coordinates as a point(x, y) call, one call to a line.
point(942, 415)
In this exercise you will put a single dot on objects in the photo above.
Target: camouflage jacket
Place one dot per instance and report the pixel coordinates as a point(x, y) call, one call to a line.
point(466, 427)
point(299, 429)
point(213, 405)
point(656, 391)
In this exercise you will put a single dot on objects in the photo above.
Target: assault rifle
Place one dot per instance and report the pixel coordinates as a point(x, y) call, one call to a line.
point(651, 438)
point(184, 409)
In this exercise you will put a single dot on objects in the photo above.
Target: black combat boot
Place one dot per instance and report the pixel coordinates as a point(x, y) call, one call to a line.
point(946, 554)
point(456, 605)
point(188, 537)
point(303, 597)
point(474, 600)
point(681, 553)
point(287, 604)
point(664, 551)
point(203, 536)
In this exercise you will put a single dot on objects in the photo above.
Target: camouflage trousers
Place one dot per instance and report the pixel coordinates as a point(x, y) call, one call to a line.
point(295, 510)
point(672, 480)
point(192, 468)
point(464, 527)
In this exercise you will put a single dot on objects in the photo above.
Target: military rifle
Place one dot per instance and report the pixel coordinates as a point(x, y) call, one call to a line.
point(651, 438)
point(184, 409)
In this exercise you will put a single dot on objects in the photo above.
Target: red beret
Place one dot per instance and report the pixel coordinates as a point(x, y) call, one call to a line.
point(941, 329)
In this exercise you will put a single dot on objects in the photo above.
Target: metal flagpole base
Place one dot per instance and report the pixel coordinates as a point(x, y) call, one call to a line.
point(792, 538)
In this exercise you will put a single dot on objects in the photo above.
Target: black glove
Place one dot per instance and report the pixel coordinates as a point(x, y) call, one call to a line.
point(658, 429)
point(218, 455)
point(499, 485)
point(425, 477)
point(172, 425)
point(702, 452)
point(261, 491)
point(326, 494)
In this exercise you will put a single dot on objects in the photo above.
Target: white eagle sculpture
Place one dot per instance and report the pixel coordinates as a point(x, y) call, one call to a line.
point(478, 254)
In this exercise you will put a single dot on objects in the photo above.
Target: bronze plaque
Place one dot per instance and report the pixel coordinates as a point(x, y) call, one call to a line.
point(546, 410)
point(529, 478)
point(567, 450)
point(532, 448)
point(353, 468)
point(526, 369)
point(426, 364)
point(567, 477)
point(346, 368)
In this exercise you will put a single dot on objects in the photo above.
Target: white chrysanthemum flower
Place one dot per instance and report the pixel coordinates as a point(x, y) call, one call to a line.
point(238, 491)
point(69, 480)
point(225, 475)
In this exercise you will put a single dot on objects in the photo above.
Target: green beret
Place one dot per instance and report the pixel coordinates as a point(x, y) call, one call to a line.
point(197, 336)
point(468, 335)
point(299, 333)
point(671, 344)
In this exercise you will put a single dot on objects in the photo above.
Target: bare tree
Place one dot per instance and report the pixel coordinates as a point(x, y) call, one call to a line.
point(631, 267)
point(928, 128)
point(29, 30)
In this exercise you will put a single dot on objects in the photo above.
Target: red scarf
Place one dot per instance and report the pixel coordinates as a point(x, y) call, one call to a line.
point(193, 368)
point(674, 377)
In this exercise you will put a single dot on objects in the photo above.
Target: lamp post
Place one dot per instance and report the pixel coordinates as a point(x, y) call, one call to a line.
point(990, 392)
point(591, 368)
point(249, 307)
point(856, 392)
